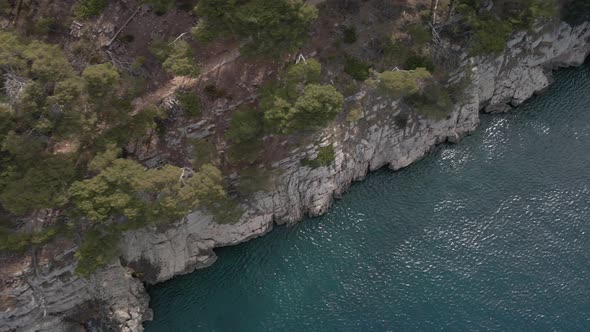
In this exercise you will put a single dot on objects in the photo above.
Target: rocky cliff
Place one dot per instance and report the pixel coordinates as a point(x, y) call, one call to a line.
point(50, 297)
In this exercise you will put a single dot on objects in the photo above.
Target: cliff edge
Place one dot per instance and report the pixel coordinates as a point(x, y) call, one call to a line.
point(49, 296)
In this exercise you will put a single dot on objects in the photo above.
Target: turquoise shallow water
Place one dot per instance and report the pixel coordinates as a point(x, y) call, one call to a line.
point(489, 234)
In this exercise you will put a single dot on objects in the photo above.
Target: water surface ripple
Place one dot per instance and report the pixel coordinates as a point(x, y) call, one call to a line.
point(489, 234)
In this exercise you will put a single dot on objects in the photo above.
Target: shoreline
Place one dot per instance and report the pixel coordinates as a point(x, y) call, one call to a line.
point(375, 141)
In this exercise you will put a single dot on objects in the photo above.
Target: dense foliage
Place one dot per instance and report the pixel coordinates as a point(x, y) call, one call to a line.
point(433, 101)
point(400, 83)
point(317, 105)
point(356, 68)
point(125, 195)
point(269, 26)
point(349, 35)
point(189, 103)
point(492, 29)
point(126, 189)
point(298, 103)
point(21, 241)
point(245, 126)
point(418, 89)
point(61, 140)
point(176, 57)
point(89, 8)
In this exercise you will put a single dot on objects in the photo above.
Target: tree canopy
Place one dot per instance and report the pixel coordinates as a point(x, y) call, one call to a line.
point(270, 26)
point(62, 137)
point(399, 83)
point(298, 102)
point(126, 189)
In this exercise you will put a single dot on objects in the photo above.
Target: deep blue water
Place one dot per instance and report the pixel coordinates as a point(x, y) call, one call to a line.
point(489, 234)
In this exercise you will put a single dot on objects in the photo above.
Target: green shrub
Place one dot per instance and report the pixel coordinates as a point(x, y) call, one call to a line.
point(7, 121)
point(491, 31)
point(253, 180)
point(213, 92)
point(298, 75)
point(89, 8)
point(126, 189)
point(225, 211)
point(160, 7)
point(203, 152)
point(101, 79)
point(349, 35)
point(356, 68)
point(523, 13)
point(5, 8)
point(245, 126)
point(127, 38)
point(325, 157)
point(419, 34)
point(314, 109)
point(401, 83)
point(13, 241)
point(308, 71)
point(277, 114)
point(134, 86)
point(270, 26)
point(394, 52)
point(105, 158)
point(401, 120)
point(138, 63)
point(433, 102)
point(418, 61)
point(248, 151)
point(98, 248)
point(318, 105)
point(179, 61)
point(176, 58)
point(190, 103)
point(490, 36)
point(41, 186)
point(45, 26)
point(160, 49)
point(356, 113)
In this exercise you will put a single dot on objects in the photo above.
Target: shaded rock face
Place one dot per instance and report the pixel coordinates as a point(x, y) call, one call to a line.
point(54, 299)
point(48, 296)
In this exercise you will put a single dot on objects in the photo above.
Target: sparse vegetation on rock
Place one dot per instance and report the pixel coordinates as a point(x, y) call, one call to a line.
point(325, 157)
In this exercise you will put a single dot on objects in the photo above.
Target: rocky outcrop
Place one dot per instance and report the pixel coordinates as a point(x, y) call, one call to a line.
point(51, 297)
point(379, 139)
point(525, 67)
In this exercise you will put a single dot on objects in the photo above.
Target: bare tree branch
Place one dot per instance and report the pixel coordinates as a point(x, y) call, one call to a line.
point(123, 27)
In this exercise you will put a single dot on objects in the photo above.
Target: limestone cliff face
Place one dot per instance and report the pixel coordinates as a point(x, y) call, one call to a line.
point(374, 141)
point(522, 70)
point(386, 135)
point(48, 296)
